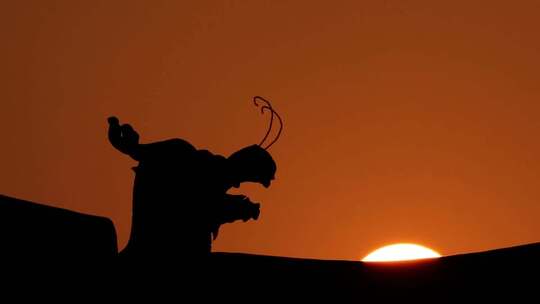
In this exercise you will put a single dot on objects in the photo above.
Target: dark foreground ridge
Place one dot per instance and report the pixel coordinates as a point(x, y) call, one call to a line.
point(509, 272)
point(30, 230)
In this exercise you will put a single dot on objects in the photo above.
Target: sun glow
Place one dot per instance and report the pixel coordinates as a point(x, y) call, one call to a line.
point(401, 252)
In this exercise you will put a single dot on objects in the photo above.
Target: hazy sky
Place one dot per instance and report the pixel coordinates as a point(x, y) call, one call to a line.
point(405, 121)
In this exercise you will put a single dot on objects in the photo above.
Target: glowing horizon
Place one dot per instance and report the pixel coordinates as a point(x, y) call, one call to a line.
point(401, 252)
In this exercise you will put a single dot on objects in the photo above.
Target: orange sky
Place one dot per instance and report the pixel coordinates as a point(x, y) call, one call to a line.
point(404, 122)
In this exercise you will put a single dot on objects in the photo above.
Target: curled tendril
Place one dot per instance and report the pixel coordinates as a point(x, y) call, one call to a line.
point(268, 107)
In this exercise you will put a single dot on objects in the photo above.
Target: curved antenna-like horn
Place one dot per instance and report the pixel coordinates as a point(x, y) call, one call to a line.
point(279, 131)
point(268, 106)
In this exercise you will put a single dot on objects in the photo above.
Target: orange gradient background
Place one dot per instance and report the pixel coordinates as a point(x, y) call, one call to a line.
point(404, 122)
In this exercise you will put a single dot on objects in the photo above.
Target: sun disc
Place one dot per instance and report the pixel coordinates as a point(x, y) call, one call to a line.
point(401, 252)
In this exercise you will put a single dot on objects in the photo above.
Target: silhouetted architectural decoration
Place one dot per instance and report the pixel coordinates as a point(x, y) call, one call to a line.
point(180, 193)
point(179, 202)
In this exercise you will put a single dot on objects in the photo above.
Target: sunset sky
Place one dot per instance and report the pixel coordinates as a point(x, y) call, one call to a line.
point(405, 121)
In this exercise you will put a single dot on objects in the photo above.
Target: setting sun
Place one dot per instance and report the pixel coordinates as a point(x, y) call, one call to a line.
point(401, 252)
